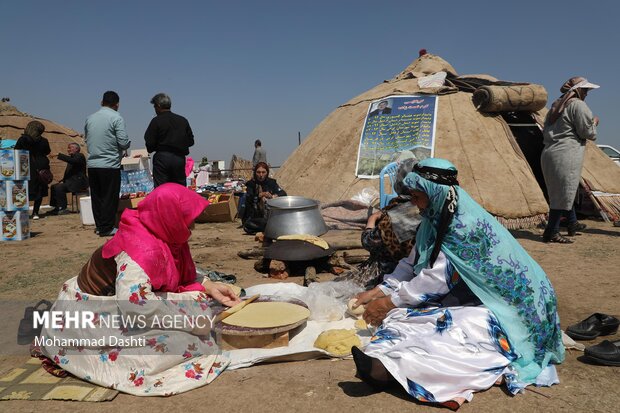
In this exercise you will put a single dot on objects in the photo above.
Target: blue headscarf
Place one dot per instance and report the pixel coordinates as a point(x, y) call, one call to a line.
point(492, 263)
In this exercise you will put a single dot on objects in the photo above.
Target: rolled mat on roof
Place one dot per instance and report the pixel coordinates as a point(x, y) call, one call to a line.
point(530, 98)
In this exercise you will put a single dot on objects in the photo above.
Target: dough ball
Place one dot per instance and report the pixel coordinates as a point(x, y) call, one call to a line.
point(338, 342)
point(360, 324)
point(355, 311)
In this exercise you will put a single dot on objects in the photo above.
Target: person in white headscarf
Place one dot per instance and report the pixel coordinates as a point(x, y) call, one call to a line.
point(202, 178)
point(568, 126)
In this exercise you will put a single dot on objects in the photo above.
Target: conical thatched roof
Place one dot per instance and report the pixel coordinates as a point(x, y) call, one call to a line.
point(492, 168)
point(12, 125)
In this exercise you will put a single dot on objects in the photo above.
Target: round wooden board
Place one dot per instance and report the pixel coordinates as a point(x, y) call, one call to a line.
point(227, 329)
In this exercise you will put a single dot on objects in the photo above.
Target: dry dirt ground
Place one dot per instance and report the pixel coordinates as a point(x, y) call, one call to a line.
point(586, 276)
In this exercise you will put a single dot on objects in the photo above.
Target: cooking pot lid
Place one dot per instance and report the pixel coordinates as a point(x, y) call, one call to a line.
point(295, 250)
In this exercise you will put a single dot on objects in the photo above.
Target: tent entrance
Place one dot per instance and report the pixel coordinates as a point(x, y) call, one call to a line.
point(529, 137)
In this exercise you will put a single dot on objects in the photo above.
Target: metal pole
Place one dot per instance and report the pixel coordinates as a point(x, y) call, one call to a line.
point(299, 138)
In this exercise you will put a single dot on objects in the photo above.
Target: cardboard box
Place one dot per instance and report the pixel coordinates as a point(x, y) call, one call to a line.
point(4, 198)
point(129, 203)
point(16, 195)
point(14, 164)
point(134, 164)
point(139, 152)
point(15, 226)
point(7, 164)
point(224, 210)
point(22, 163)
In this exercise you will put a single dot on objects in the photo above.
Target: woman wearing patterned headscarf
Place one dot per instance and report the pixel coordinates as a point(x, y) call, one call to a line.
point(467, 308)
point(389, 235)
point(568, 126)
point(39, 148)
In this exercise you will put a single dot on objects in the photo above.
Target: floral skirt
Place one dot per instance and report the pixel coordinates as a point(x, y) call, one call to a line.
point(169, 362)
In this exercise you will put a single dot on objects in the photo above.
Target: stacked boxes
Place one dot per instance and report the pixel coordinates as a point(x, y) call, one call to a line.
point(14, 176)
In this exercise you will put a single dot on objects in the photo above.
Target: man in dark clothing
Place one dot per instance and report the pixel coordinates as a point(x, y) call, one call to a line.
point(170, 137)
point(74, 179)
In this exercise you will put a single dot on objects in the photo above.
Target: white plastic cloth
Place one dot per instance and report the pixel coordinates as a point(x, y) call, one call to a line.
point(366, 196)
point(301, 345)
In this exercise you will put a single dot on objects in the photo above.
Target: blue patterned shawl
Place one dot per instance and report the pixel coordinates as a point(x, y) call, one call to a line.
point(496, 268)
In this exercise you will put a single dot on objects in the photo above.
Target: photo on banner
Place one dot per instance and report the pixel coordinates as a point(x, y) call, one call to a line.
point(396, 128)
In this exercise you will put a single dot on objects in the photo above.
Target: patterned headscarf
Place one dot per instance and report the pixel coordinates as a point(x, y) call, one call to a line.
point(492, 263)
point(404, 168)
point(573, 88)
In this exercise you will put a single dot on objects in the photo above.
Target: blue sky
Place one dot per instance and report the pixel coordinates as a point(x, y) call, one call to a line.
point(241, 70)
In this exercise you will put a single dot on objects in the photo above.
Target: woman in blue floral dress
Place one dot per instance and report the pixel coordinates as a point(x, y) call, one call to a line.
point(469, 307)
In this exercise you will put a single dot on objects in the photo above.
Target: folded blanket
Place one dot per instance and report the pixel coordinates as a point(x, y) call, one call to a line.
point(346, 214)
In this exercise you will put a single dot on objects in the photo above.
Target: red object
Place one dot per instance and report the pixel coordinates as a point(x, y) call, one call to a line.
point(155, 236)
point(422, 52)
point(189, 165)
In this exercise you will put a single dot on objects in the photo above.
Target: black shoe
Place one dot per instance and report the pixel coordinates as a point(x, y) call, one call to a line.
point(606, 353)
point(556, 238)
point(26, 331)
point(576, 227)
point(109, 233)
point(363, 363)
point(52, 212)
point(596, 325)
point(62, 211)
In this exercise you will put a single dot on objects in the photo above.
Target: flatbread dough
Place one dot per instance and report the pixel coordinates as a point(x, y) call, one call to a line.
point(267, 315)
point(338, 342)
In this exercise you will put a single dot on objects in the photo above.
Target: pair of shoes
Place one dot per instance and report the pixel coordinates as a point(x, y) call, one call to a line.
point(363, 363)
point(597, 324)
point(606, 353)
point(34, 216)
point(556, 238)
point(109, 233)
point(575, 227)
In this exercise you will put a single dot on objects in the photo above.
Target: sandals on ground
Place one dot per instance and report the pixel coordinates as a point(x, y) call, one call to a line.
point(557, 238)
point(575, 228)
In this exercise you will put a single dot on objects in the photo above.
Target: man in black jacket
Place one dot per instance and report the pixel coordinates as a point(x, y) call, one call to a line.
point(170, 137)
point(74, 179)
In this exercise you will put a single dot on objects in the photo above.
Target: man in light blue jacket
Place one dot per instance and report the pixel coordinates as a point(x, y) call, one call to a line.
point(106, 141)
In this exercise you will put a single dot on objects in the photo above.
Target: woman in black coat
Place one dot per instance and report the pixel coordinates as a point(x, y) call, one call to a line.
point(39, 148)
point(258, 190)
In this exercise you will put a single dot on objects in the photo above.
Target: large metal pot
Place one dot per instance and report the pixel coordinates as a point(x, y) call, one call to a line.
point(289, 215)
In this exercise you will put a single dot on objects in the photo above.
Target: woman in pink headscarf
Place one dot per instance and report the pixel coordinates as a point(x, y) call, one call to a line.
point(153, 315)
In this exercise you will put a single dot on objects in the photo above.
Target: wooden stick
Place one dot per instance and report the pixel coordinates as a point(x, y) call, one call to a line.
point(257, 252)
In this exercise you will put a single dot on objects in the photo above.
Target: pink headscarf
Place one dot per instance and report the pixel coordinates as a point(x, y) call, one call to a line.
point(155, 236)
point(189, 165)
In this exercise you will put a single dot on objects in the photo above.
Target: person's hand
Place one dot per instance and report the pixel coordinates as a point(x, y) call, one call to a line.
point(365, 297)
point(221, 293)
point(596, 120)
point(372, 220)
point(376, 311)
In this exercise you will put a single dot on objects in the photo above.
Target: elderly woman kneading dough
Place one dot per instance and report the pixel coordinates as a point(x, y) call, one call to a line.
point(153, 316)
point(467, 309)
